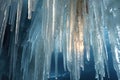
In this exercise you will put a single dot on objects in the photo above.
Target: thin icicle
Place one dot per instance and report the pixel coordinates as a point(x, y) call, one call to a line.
point(19, 10)
point(3, 27)
point(29, 9)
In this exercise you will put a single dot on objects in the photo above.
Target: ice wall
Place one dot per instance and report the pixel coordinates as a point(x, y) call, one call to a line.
point(67, 27)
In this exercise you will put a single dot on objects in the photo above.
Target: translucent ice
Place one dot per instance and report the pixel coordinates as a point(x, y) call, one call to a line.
point(72, 28)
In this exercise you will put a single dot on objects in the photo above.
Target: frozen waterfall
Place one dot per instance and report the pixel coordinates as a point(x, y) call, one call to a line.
point(33, 33)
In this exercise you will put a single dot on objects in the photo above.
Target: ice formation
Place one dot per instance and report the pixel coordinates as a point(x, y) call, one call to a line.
point(68, 27)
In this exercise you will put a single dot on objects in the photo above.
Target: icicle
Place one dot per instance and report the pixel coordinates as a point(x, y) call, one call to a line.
point(14, 43)
point(3, 27)
point(65, 34)
point(19, 10)
point(29, 9)
point(4, 14)
point(12, 14)
point(53, 15)
point(86, 29)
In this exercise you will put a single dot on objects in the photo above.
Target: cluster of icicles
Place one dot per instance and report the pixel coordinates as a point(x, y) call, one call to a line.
point(68, 27)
